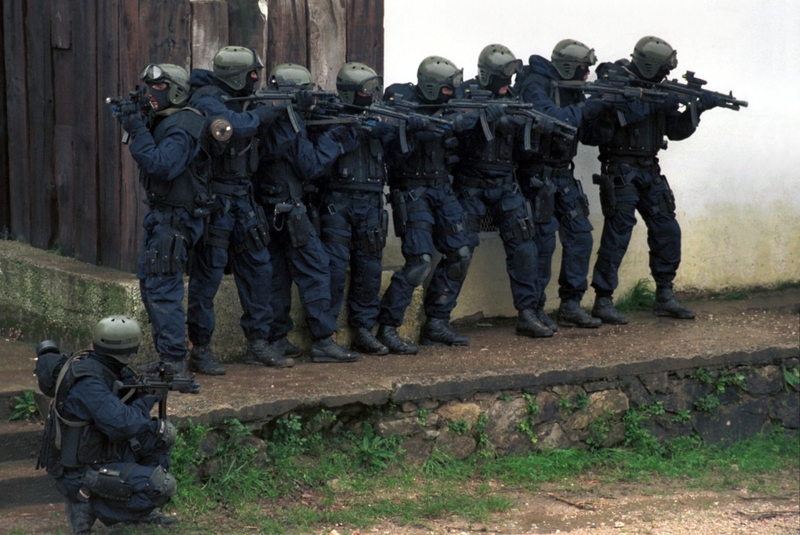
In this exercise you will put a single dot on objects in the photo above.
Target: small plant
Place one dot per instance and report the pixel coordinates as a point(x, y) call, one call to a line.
point(582, 401)
point(598, 431)
point(372, 451)
point(791, 378)
point(682, 417)
point(640, 297)
point(526, 425)
point(704, 376)
point(508, 398)
point(709, 403)
point(735, 295)
point(460, 427)
point(422, 416)
point(728, 378)
point(484, 446)
point(25, 409)
point(638, 438)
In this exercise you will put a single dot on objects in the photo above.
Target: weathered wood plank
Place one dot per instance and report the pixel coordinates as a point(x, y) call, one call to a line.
point(108, 129)
point(167, 29)
point(365, 32)
point(288, 33)
point(209, 31)
point(5, 200)
point(44, 216)
point(17, 115)
point(327, 40)
point(247, 25)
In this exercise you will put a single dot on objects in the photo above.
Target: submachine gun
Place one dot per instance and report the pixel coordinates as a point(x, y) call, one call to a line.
point(284, 98)
point(693, 88)
point(137, 101)
point(480, 99)
point(161, 380)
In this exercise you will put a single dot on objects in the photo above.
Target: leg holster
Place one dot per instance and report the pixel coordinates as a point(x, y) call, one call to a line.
point(523, 228)
point(399, 212)
point(109, 484)
point(298, 225)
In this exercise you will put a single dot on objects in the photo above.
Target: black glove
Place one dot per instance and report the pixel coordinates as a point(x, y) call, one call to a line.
point(267, 114)
point(464, 121)
point(416, 123)
point(670, 103)
point(165, 432)
point(304, 100)
point(494, 112)
point(707, 101)
point(593, 107)
point(133, 123)
point(345, 136)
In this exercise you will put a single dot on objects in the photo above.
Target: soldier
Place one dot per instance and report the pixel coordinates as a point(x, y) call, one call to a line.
point(173, 158)
point(631, 181)
point(238, 229)
point(547, 178)
point(427, 215)
point(289, 164)
point(108, 457)
point(484, 181)
point(352, 217)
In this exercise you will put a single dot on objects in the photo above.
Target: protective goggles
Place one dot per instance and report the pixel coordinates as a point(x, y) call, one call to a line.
point(367, 85)
point(454, 79)
point(152, 74)
point(672, 60)
point(509, 68)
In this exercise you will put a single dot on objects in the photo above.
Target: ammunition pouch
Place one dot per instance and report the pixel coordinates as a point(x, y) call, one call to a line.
point(167, 255)
point(523, 228)
point(471, 222)
point(666, 200)
point(257, 238)
point(544, 202)
point(399, 212)
point(298, 225)
point(373, 240)
point(109, 484)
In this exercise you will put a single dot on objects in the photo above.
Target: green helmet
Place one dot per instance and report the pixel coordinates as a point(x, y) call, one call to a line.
point(118, 337)
point(289, 75)
point(233, 64)
point(568, 54)
point(176, 77)
point(354, 77)
point(497, 60)
point(651, 54)
point(436, 72)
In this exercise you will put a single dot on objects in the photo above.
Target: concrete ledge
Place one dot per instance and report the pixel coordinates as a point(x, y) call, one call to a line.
point(45, 295)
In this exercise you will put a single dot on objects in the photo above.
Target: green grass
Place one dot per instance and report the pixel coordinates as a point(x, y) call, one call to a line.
point(306, 479)
point(640, 297)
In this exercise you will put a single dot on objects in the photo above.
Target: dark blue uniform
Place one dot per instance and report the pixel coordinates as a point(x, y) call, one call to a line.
point(120, 437)
point(427, 218)
point(289, 163)
point(547, 179)
point(631, 181)
point(237, 226)
point(484, 182)
point(171, 171)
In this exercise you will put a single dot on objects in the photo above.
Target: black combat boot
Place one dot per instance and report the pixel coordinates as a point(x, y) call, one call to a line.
point(202, 360)
point(666, 305)
point(177, 368)
point(438, 332)
point(284, 347)
point(81, 517)
point(570, 314)
point(259, 352)
point(546, 319)
point(388, 336)
point(365, 342)
point(529, 324)
point(155, 518)
point(326, 350)
point(604, 310)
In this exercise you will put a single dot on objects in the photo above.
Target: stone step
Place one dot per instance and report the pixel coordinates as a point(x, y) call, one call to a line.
point(21, 485)
point(19, 441)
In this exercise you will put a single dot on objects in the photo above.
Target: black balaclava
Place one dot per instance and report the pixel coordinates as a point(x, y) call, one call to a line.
point(161, 96)
point(496, 82)
point(365, 101)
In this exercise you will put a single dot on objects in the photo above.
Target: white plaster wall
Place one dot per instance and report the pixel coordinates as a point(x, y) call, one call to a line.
point(736, 180)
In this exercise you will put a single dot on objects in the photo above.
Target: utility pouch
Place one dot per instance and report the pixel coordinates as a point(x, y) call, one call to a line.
point(544, 203)
point(583, 200)
point(109, 484)
point(399, 212)
point(203, 203)
point(608, 197)
point(298, 226)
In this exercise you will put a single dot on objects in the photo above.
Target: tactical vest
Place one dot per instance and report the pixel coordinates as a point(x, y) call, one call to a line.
point(425, 166)
point(278, 181)
point(238, 157)
point(192, 184)
point(80, 442)
point(362, 169)
point(552, 149)
point(642, 139)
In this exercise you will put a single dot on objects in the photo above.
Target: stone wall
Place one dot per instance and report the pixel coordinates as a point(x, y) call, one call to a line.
point(721, 405)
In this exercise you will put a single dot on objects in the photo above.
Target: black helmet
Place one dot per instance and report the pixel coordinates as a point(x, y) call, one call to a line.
point(436, 72)
point(497, 60)
point(176, 77)
point(568, 54)
point(289, 75)
point(356, 77)
point(118, 337)
point(233, 64)
point(652, 56)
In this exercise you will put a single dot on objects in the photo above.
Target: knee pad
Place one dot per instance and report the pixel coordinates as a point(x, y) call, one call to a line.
point(417, 268)
point(161, 487)
point(458, 263)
